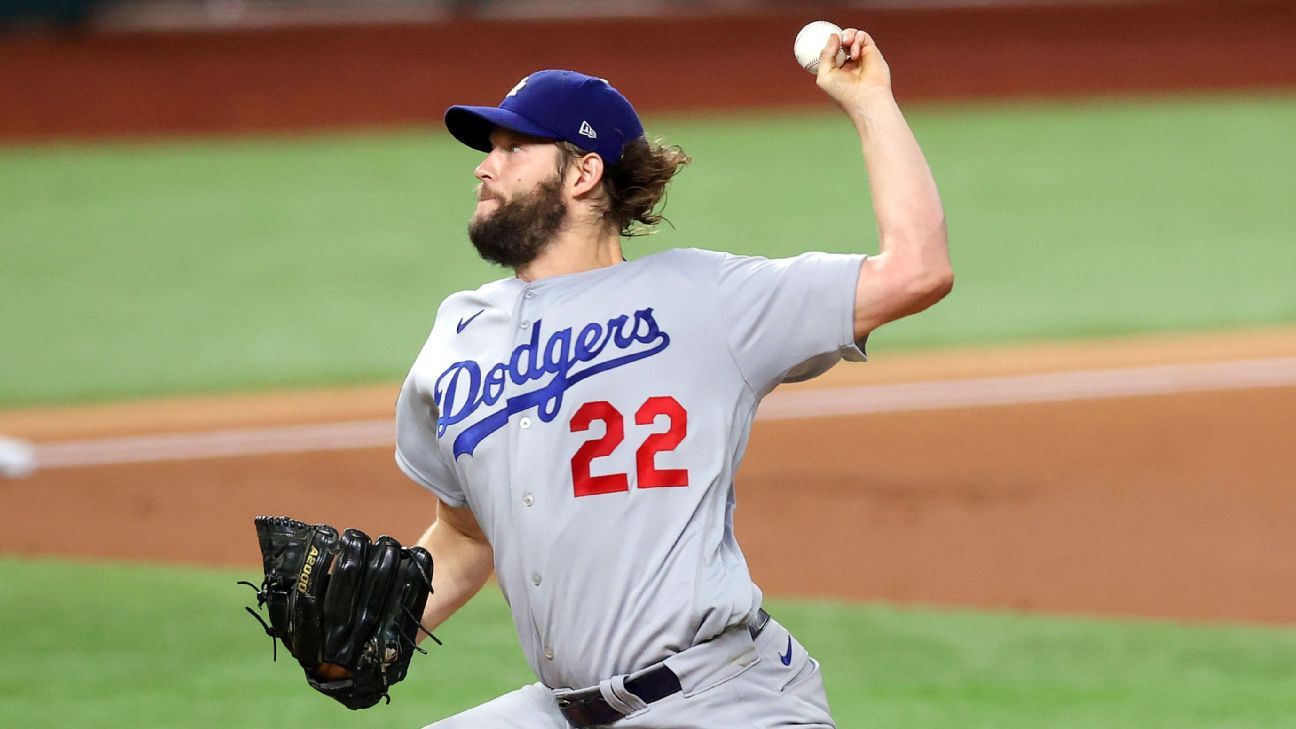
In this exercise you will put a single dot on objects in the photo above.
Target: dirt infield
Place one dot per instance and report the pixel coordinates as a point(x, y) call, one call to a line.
point(1176, 504)
point(339, 77)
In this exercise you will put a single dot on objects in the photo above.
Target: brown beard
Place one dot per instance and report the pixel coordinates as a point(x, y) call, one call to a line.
point(521, 228)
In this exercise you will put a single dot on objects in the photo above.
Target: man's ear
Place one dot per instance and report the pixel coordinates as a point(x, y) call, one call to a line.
point(588, 175)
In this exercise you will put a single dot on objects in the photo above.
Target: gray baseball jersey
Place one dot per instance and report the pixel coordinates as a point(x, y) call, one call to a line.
point(593, 422)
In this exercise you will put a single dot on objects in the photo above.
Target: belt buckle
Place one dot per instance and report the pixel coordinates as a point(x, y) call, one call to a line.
point(586, 710)
point(576, 699)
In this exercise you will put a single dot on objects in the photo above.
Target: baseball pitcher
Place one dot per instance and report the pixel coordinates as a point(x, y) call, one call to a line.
point(581, 421)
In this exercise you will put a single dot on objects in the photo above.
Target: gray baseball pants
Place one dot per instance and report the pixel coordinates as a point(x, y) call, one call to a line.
point(730, 681)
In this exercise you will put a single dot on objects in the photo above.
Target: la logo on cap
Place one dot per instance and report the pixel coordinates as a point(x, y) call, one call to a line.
point(517, 88)
point(587, 131)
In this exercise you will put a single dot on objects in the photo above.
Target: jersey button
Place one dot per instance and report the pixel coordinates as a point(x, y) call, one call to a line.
point(525, 323)
point(535, 579)
point(528, 499)
point(530, 294)
point(549, 653)
point(524, 423)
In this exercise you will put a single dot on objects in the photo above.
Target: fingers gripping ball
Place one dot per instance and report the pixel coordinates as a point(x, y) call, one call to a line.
point(347, 608)
point(812, 40)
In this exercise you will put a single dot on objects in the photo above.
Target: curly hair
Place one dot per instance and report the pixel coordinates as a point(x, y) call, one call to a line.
point(634, 187)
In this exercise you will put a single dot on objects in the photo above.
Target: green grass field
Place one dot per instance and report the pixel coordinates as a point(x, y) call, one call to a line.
point(154, 268)
point(111, 645)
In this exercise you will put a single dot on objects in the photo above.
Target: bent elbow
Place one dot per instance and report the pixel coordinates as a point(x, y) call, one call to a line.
point(942, 284)
point(931, 285)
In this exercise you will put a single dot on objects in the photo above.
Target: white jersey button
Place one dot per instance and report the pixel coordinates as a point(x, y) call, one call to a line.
point(528, 499)
point(524, 423)
point(525, 323)
point(549, 653)
point(530, 294)
point(535, 579)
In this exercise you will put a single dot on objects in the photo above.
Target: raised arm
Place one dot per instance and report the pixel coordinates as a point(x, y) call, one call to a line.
point(912, 270)
point(462, 560)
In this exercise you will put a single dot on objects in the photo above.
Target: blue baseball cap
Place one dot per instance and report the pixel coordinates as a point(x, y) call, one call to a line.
point(566, 105)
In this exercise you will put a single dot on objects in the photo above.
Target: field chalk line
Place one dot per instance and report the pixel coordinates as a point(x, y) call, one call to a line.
point(803, 404)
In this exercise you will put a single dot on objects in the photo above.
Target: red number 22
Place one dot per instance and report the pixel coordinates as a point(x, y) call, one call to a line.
point(649, 476)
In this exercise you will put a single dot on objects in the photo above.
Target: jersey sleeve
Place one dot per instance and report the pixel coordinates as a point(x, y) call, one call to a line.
point(789, 319)
point(417, 452)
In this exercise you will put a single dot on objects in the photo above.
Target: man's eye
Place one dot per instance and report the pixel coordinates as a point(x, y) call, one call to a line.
point(515, 148)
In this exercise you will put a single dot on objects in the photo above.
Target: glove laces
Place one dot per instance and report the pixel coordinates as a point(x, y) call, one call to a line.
point(261, 600)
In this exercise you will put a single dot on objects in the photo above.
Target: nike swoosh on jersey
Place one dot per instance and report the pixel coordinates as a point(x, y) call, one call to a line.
point(787, 659)
point(463, 323)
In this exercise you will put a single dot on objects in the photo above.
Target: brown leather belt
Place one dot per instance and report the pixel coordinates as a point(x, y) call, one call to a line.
point(588, 708)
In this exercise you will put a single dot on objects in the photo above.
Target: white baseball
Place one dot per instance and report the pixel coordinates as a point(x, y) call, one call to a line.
point(17, 458)
point(811, 41)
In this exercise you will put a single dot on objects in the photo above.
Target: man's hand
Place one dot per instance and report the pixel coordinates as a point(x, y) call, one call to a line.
point(864, 73)
point(331, 672)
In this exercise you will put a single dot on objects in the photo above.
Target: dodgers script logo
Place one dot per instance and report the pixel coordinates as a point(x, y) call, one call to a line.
point(462, 389)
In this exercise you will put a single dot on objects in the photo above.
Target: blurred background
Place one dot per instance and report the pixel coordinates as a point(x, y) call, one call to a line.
point(1060, 498)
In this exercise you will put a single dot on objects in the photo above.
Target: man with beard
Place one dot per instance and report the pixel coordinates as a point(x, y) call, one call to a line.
point(581, 421)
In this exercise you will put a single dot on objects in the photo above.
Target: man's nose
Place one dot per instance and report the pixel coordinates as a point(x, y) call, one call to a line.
point(485, 170)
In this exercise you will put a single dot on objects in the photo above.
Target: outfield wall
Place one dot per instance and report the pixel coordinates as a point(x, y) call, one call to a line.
point(144, 83)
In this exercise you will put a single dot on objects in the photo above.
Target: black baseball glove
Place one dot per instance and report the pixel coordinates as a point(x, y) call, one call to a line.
point(347, 608)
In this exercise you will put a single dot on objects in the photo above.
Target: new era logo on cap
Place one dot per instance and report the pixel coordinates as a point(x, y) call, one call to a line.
point(553, 104)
